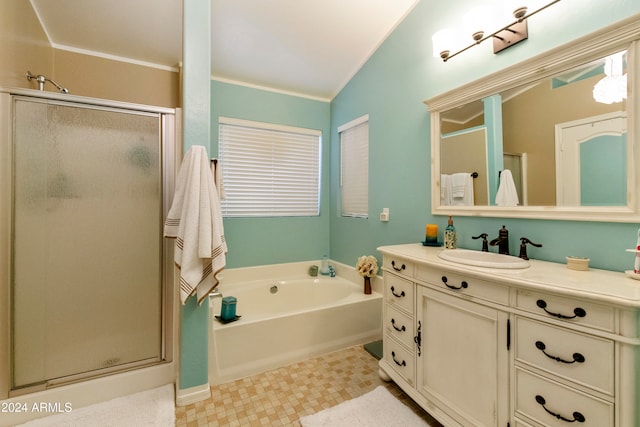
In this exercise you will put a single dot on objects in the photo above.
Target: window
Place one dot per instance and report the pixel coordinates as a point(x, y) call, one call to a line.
point(269, 170)
point(354, 167)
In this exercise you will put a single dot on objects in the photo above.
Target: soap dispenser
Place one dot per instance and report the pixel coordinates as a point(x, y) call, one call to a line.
point(450, 239)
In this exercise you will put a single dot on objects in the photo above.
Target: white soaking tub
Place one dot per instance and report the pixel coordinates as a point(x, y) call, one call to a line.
point(288, 320)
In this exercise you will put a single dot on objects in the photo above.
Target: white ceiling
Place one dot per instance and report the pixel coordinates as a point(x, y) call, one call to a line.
point(305, 47)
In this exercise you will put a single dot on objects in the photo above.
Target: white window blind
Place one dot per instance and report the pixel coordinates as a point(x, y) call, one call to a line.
point(354, 167)
point(269, 170)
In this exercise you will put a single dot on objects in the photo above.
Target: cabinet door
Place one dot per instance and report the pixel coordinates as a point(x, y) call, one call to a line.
point(463, 363)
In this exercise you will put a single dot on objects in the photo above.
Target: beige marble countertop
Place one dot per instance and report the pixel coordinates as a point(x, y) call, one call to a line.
point(593, 284)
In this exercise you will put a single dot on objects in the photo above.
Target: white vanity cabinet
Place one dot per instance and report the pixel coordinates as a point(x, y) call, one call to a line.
point(464, 360)
point(541, 346)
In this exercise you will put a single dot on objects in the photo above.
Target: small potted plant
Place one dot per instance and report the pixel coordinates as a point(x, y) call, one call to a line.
point(367, 267)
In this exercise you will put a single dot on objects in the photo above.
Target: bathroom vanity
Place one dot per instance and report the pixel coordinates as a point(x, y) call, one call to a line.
point(537, 346)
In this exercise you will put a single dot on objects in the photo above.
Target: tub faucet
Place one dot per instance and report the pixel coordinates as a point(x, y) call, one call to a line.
point(215, 294)
point(502, 241)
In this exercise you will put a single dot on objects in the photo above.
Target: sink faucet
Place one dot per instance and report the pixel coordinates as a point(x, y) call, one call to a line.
point(483, 236)
point(523, 247)
point(502, 241)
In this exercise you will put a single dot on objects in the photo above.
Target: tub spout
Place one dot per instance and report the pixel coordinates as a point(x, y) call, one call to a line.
point(215, 294)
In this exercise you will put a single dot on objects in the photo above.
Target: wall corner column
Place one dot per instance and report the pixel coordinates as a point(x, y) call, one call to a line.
point(193, 377)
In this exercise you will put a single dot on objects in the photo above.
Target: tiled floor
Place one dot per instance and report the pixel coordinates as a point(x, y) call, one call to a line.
point(281, 396)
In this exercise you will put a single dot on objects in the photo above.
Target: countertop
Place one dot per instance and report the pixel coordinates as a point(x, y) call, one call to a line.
point(593, 284)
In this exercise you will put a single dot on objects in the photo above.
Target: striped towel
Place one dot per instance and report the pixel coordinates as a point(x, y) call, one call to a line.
point(195, 220)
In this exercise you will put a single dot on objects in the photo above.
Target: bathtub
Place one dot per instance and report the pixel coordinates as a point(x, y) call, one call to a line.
point(288, 320)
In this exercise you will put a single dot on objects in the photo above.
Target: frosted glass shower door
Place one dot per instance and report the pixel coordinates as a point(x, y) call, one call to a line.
point(87, 240)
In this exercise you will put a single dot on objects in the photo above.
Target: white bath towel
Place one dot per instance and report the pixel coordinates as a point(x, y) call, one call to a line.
point(462, 189)
point(458, 185)
point(195, 220)
point(445, 190)
point(507, 194)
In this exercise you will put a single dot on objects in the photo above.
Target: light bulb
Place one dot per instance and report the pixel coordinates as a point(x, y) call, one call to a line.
point(443, 41)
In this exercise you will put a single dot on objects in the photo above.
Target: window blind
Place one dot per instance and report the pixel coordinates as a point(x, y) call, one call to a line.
point(269, 170)
point(354, 168)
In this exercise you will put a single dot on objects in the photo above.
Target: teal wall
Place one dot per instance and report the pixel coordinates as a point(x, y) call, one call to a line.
point(391, 88)
point(260, 241)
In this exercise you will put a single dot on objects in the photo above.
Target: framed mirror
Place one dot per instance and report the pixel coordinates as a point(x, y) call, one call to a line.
point(554, 137)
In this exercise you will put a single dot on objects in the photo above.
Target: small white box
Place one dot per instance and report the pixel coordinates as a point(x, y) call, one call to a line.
point(577, 263)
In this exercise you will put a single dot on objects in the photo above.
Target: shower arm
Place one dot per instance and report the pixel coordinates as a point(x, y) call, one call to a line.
point(42, 80)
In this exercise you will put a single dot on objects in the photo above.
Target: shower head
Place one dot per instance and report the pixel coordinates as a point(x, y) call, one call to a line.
point(42, 80)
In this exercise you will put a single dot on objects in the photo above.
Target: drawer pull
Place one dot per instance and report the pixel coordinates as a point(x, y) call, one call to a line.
point(463, 284)
point(402, 267)
point(393, 356)
point(393, 323)
point(400, 295)
point(577, 357)
point(577, 416)
point(577, 312)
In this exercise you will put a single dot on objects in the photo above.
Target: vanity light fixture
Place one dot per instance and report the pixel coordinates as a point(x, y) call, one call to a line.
point(503, 38)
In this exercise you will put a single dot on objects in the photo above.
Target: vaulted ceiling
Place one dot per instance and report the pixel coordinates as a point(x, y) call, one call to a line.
point(306, 47)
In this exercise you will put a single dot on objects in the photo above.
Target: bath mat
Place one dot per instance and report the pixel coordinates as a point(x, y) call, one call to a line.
point(376, 408)
point(154, 407)
point(374, 349)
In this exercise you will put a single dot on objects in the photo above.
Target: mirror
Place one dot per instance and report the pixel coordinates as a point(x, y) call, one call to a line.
point(533, 141)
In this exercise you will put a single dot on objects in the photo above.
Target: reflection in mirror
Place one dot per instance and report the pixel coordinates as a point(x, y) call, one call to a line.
point(560, 123)
point(563, 140)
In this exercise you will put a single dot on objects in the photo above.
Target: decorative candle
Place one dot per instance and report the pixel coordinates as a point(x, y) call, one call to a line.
point(432, 233)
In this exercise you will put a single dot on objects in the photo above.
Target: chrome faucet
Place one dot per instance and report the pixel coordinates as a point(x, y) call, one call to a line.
point(215, 294)
point(502, 241)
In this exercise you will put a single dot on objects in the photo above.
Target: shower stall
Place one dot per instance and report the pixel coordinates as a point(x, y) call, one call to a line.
point(90, 183)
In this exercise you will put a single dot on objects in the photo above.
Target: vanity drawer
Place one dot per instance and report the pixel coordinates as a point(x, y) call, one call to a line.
point(533, 391)
point(520, 423)
point(398, 292)
point(398, 325)
point(567, 309)
point(400, 359)
point(398, 266)
point(585, 359)
point(464, 285)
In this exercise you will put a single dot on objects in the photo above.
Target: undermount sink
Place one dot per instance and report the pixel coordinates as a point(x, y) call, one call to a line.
point(483, 259)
